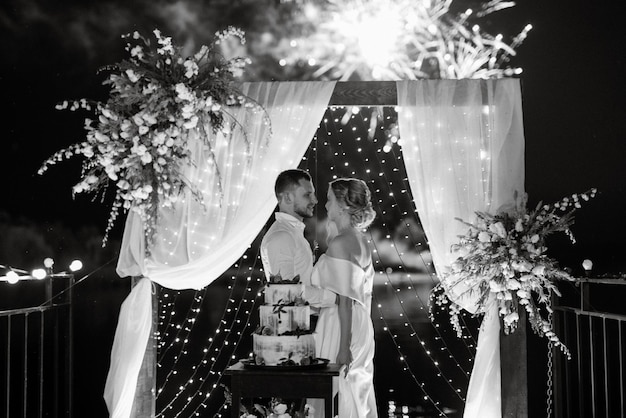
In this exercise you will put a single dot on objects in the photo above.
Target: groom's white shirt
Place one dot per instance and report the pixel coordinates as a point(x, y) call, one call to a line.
point(284, 250)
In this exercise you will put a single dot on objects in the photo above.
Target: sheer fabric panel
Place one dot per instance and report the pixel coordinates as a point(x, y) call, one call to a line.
point(463, 147)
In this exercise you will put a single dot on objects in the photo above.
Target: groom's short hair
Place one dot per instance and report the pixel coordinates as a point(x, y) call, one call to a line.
point(289, 179)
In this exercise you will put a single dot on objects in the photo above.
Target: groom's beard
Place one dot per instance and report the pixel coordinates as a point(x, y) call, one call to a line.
point(305, 211)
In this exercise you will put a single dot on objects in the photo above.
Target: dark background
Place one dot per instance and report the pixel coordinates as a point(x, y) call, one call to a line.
point(573, 91)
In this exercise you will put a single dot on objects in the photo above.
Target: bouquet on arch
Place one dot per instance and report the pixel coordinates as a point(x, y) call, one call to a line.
point(503, 259)
point(137, 142)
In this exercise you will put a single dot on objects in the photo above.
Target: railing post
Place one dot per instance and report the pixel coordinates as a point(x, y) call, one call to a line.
point(514, 370)
point(144, 405)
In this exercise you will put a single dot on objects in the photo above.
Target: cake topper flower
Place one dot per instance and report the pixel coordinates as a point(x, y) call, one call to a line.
point(137, 141)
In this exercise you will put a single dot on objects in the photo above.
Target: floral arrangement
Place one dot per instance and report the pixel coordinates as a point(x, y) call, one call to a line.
point(159, 100)
point(278, 279)
point(277, 408)
point(503, 258)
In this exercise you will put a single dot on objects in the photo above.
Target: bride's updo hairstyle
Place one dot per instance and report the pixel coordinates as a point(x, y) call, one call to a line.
point(356, 197)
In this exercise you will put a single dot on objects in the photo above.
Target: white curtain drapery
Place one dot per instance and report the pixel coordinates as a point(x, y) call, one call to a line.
point(194, 245)
point(463, 148)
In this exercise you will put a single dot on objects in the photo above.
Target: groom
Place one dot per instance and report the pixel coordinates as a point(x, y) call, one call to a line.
point(284, 250)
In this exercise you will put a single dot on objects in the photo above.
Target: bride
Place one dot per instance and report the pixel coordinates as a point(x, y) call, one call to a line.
point(344, 333)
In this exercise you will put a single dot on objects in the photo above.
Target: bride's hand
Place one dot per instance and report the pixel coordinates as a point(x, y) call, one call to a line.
point(344, 358)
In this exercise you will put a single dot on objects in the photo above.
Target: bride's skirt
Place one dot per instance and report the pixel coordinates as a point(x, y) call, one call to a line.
point(356, 390)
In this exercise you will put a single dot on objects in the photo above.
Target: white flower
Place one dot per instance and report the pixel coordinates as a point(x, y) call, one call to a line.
point(87, 151)
point(80, 187)
point(519, 226)
point(123, 184)
point(158, 139)
point(527, 277)
point(132, 76)
point(191, 68)
point(539, 270)
point(139, 149)
point(498, 229)
point(512, 284)
point(99, 136)
point(484, 237)
point(183, 92)
point(523, 294)
point(463, 251)
point(281, 408)
point(534, 239)
point(146, 158)
point(507, 272)
point(137, 51)
point(511, 318)
point(191, 123)
point(521, 266)
point(495, 286)
point(149, 89)
point(188, 111)
point(149, 118)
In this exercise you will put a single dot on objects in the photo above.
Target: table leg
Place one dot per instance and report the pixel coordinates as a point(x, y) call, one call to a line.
point(236, 397)
point(328, 406)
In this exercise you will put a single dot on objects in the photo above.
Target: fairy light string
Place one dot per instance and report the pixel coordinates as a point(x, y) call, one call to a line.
point(225, 329)
point(241, 335)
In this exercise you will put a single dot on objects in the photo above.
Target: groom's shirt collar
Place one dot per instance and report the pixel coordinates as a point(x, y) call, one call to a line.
point(289, 219)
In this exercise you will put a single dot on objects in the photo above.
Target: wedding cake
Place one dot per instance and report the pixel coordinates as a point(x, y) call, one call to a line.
point(284, 337)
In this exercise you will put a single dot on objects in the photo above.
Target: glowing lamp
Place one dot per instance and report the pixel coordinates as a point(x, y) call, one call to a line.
point(48, 263)
point(12, 277)
point(39, 274)
point(587, 266)
point(76, 265)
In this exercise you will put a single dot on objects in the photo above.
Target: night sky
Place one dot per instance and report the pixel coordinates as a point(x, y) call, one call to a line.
point(573, 92)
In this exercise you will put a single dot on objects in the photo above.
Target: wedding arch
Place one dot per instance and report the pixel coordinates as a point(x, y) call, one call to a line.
point(463, 149)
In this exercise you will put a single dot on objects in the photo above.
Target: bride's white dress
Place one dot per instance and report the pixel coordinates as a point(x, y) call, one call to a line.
point(356, 390)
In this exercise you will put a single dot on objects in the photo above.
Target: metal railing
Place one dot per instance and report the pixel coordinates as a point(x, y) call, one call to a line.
point(591, 321)
point(36, 348)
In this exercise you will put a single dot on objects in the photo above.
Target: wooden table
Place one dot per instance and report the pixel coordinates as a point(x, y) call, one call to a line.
point(268, 382)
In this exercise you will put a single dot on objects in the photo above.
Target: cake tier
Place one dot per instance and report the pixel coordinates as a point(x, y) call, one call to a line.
point(281, 319)
point(284, 293)
point(272, 350)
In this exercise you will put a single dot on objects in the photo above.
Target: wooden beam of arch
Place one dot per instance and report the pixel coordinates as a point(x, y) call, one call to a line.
point(364, 93)
point(385, 93)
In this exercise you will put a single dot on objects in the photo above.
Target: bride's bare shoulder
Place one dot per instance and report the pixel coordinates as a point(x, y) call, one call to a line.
point(345, 247)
